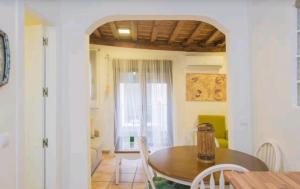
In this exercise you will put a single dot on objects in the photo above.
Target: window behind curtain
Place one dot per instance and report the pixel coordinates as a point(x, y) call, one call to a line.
point(143, 100)
point(157, 114)
point(131, 111)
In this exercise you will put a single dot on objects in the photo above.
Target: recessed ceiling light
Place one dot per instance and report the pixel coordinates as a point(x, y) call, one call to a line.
point(124, 31)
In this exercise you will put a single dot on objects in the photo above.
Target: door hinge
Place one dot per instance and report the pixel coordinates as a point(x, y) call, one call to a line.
point(45, 41)
point(45, 92)
point(45, 143)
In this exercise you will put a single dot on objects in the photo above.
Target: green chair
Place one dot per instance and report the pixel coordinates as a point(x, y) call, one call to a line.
point(218, 122)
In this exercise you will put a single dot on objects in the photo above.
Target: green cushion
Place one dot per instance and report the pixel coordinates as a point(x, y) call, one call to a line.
point(161, 183)
point(218, 123)
point(181, 186)
point(223, 142)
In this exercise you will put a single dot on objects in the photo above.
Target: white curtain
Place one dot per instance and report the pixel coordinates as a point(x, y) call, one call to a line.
point(143, 100)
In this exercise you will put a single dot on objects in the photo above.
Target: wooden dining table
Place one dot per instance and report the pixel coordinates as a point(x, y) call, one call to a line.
point(180, 164)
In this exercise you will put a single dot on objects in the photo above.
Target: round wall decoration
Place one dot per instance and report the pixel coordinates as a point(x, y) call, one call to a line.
point(4, 58)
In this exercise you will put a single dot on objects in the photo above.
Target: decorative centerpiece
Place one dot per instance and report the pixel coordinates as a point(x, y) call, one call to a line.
point(206, 143)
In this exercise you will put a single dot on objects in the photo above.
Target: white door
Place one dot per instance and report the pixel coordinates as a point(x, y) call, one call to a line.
point(34, 104)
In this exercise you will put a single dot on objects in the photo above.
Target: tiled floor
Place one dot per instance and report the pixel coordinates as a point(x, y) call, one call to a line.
point(132, 175)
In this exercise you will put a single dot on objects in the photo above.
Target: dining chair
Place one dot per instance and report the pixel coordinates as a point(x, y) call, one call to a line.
point(198, 182)
point(269, 153)
point(155, 182)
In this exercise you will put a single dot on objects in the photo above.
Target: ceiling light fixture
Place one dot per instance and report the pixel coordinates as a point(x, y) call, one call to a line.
point(124, 31)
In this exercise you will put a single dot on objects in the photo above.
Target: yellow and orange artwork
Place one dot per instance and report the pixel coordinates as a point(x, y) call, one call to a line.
point(205, 87)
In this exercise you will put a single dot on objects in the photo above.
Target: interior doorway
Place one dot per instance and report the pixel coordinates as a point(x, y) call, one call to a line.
point(192, 46)
point(39, 106)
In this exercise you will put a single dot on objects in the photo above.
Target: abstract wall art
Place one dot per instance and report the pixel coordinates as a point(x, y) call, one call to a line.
point(205, 87)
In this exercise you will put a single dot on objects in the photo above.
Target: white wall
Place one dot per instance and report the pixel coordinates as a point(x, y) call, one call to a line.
point(273, 61)
point(79, 18)
point(185, 113)
point(10, 95)
point(271, 36)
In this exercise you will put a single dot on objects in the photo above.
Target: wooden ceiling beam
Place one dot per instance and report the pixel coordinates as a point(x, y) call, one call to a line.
point(211, 39)
point(97, 33)
point(154, 31)
point(222, 43)
point(195, 33)
point(114, 30)
point(133, 26)
point(155, 46)
point(176, 31)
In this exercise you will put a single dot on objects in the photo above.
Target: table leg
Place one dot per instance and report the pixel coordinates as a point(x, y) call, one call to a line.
point(118, 159)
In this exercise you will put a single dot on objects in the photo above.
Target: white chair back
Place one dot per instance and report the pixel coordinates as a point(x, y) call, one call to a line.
point(269, 153)
point(144, 155)
point(198, 182)
point(195, 139)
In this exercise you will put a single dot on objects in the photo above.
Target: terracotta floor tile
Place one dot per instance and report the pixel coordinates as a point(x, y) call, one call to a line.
point(120, 186)
point(140, 178)
point(125, 178)
point(106, 168)
point(139, 186)
point(100, 185)
point(128, 169)
point(102, 177)
point(108, 155)
point(140, 170)
point(126, 162)
point(132, 174)
point(108, 162)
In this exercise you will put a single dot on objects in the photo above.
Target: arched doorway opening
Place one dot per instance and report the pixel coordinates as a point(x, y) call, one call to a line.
point(212, 40)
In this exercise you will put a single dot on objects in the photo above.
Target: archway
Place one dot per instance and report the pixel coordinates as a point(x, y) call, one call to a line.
point(203, 19)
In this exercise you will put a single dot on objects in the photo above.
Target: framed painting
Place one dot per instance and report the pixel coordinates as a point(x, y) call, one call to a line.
point(205, 87)
point(4, 58)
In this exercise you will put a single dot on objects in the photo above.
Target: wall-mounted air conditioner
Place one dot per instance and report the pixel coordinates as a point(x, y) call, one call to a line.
point(204, 64)
point(201, 68)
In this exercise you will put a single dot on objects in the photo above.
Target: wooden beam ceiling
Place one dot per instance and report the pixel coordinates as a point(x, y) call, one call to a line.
point(176, 31)
point(195, 33)
point(222, 43)
point(114, 30)
point(97, 33)
point(133, 30)
point(156, 46)
point(181, 35)
point(213, 37)
point(154, 31)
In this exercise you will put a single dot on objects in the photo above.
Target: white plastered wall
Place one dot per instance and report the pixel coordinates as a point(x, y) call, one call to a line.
point(11, 22)
point(74, 18)
point(273, 64)
point(79, 18)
